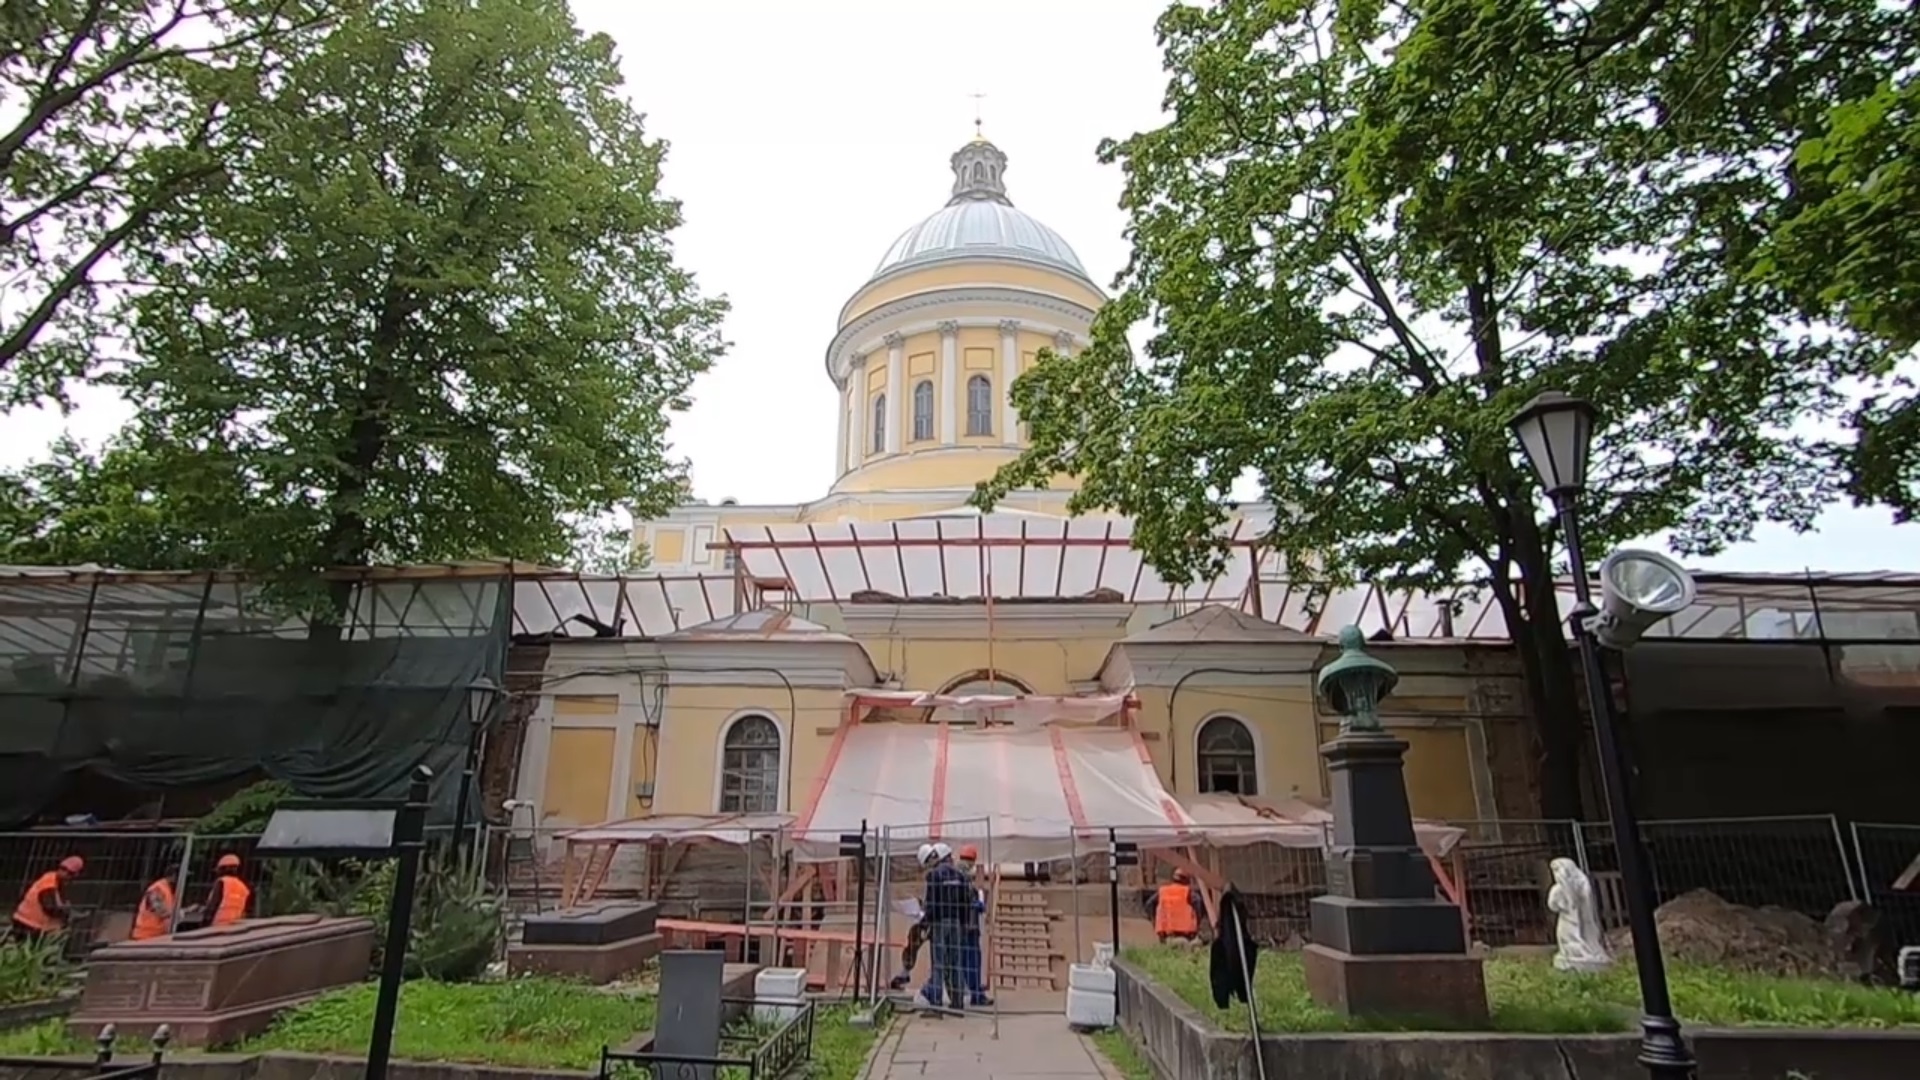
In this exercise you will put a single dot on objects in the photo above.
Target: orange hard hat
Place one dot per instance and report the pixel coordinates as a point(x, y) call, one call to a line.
point(229, 861)
point(969, 853)
point(73, 864)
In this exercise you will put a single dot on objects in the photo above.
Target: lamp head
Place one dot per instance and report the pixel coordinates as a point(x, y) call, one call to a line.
point(1556, 431)
point(1637, 589)
point(481, 693)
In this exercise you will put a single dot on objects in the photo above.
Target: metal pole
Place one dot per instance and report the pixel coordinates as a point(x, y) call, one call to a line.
point(466, 789)
point(1662, 1051)
point(409, 834)
point(859, 912)
point(180, 884)
point(1113, 887)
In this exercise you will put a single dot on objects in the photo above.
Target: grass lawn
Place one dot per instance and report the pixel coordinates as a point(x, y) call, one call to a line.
point(527, 1022)
point(1526, 994)
point(1118, 1047)
point(839, 1048)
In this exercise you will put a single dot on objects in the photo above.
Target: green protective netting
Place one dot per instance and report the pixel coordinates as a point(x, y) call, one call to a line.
point(189, 683)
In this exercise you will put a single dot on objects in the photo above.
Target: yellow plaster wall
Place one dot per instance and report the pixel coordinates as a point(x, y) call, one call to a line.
point(688, 763)
point(950, 275)
point(1280, 717)
point(1048, 666)
point(579, 776)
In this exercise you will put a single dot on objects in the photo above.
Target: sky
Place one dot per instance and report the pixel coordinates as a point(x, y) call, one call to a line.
point(805, 137)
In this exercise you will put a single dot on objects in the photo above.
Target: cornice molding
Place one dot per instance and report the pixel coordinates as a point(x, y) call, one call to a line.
point(999, 257)
point(882, 318)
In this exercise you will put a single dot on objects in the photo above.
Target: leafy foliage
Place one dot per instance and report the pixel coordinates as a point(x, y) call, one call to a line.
point(430, 313)
point(1845, 247)
point(31, 970)
point(246, 811)
point(458, 922)
point(1371, 232)
point(115, 110)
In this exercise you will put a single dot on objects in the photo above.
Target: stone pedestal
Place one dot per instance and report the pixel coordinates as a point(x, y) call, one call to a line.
point(598, 944)
point(221, 984)
point(1382, 943)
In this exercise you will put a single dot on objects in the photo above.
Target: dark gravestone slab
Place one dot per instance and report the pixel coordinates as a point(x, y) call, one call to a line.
point(600, 924)
point(689, 1011)
point(221, 984)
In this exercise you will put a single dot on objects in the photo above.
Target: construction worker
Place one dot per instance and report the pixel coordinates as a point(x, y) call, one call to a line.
point(972, 969)
point(227, 903)
point(158, 904)
point(1173, 914)
point(43, 911)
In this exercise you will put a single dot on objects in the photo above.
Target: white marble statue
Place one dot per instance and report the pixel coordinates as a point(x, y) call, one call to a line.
point(1578, 931)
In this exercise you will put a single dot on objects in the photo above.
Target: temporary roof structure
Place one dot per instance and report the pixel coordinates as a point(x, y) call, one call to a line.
point(1019, 794)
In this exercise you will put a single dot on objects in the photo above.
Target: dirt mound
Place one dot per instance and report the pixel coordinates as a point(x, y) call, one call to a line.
point(1701, 928)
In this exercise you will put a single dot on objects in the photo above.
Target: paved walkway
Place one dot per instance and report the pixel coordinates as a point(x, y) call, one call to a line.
point(963, 1048)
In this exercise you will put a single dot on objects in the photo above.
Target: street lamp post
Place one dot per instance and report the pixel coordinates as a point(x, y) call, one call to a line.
point(481, 694)
point(1556, 431)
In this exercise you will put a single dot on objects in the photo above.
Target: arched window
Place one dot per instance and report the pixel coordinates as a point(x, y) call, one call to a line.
point(1227, 760)
point(880, 424)
point(979, 405)
point(750, 766)
point(923, 410)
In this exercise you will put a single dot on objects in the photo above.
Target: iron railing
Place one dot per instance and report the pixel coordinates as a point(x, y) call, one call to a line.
point(102, 1066)
point(778, 1054)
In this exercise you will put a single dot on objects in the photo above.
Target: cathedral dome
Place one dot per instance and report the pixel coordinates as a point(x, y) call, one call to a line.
point(980, 222)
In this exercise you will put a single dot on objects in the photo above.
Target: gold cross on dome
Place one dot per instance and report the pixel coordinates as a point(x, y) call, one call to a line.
point(977, 98)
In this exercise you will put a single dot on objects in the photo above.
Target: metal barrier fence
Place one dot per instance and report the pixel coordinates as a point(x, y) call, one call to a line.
point(102, 1066)
point(1496, 870)
point(1888, 858)
point(118, 866)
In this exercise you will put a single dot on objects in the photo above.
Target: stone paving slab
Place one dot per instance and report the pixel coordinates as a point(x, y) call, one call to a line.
point(1029, 1047)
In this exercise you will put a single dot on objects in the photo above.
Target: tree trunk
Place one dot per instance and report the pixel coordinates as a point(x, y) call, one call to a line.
point(1538, 636)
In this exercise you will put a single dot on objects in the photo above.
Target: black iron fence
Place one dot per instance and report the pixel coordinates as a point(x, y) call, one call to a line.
point(747, 1052)
point(103, 1066)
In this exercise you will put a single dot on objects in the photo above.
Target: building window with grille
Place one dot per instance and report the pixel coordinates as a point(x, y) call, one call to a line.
point(750, 766)
point(1228, 763)
point(979, 405)
point(880, 424)
point(923, 410)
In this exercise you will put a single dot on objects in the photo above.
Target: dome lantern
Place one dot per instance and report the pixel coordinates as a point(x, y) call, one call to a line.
point(977, 171)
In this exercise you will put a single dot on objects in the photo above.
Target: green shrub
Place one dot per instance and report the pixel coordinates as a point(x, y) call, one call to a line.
point(31, 970)
point(245, 812)
point(458, 922)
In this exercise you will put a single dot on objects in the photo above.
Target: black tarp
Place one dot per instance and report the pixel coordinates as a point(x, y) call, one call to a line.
point(155, 697)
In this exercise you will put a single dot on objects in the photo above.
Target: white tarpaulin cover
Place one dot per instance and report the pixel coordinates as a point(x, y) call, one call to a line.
point(1020, 710)
point(1020, 795)
point(1231, 820)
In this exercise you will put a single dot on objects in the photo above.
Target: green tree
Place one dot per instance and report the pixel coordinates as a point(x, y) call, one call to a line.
point(1845, 248)
point(1367, 235)
point(431, 313)
point(98, 133)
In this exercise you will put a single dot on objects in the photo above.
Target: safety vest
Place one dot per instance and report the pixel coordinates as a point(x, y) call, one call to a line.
point(234, 895)
point(146, 922)
point(1174, 913)
point(29, 913)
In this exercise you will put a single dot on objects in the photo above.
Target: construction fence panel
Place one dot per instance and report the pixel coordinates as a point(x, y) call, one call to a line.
point(1500, 872)
point(1888, 858)
point(1800, 863)
point(929, 965)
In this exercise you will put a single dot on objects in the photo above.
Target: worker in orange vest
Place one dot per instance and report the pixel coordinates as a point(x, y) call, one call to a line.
point(1173, 914)
point(43, 909)
point(154, 919)
point(227, 903)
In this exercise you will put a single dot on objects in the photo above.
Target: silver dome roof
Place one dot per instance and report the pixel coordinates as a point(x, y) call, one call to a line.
point(979, 221)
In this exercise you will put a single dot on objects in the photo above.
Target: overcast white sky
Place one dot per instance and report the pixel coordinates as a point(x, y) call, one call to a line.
point(805, 137)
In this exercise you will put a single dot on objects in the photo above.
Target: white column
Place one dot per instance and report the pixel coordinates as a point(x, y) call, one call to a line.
point(952, 408)
point(840, 430)
point(1009, 371)
point(856, 411)
point(897, 403)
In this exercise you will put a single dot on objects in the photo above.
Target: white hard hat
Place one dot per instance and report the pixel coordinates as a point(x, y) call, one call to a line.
point(942, 851)
point(925, 854)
